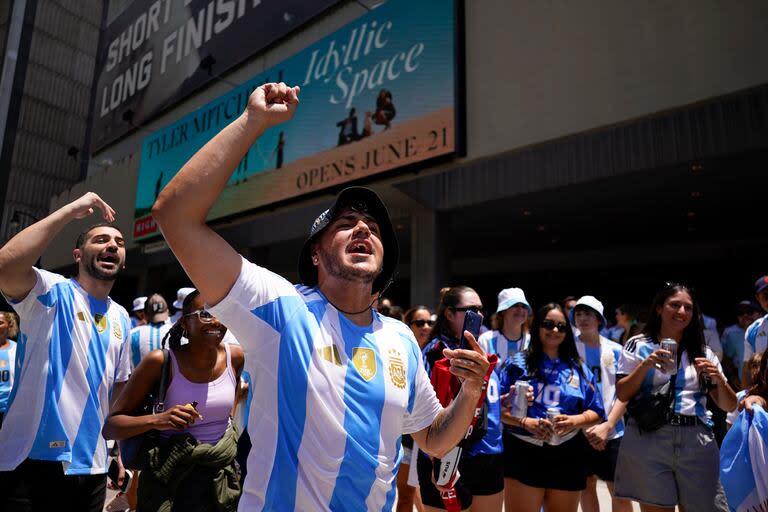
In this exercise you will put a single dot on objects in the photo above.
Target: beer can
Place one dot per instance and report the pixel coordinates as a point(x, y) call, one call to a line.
point(520, 405)
point(552, 413)
point(670, 366)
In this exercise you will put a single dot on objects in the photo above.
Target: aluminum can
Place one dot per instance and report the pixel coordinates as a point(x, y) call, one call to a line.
point(520, 405)
point(552, 413)
point(670, 366)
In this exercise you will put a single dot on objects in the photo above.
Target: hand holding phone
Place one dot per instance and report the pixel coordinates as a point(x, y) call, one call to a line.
point(472, 323)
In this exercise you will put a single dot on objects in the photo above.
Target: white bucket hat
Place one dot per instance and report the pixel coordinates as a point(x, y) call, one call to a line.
point(181, 294)
point(138, 303)
point(588, 301)
point(508, 297)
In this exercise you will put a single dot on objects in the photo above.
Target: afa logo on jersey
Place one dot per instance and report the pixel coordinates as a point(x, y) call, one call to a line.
point(364, 361)
point(396, 369)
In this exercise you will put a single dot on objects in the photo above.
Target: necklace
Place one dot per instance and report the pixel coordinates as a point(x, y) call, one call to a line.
point(366, 308)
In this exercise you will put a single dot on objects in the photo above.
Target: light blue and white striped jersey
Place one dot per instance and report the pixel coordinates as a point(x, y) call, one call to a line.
point(494, 342)
point(690, 400)
point(7, 370)
point(603, 362)
point(331, 399)
point(144, 339)
point(756, 338)
point(70, 352)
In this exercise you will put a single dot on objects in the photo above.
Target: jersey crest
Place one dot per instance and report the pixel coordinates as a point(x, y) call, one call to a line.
point(364, 361)
point(396, 369)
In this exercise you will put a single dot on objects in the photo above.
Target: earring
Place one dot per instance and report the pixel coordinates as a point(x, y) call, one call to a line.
point(314, 260)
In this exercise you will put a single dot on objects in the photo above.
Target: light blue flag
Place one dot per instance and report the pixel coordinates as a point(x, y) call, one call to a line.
point(744, 462)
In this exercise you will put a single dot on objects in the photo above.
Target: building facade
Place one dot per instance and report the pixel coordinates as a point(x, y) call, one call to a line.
point(591, 148)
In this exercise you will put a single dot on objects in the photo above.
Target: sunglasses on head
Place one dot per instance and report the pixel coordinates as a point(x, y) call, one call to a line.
point(551, 324)
point(202, 315)
point(422, 323)
point(474, 309)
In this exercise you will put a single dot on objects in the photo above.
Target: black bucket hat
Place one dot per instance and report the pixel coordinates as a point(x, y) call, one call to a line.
point(364, 200)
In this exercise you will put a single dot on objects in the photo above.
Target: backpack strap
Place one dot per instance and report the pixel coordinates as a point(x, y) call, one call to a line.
point(163, 384)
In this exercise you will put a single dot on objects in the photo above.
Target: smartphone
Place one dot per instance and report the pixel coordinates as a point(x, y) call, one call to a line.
point(472, 323)
point(114, 473)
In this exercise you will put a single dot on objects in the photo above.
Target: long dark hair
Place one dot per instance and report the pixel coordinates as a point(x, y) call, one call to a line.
point(449, 297)
point(408, 316)
point(566, 351)
point(174, 335)
point(693, 335)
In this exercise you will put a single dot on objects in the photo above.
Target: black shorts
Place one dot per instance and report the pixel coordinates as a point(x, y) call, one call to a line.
point(603, 463)
point(561, 467)
point(481, 475)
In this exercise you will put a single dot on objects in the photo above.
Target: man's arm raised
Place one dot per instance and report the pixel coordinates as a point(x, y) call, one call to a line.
point(183, 205)
point(22, 251)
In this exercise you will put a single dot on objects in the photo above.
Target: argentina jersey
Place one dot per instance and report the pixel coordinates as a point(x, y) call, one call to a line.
point(603, 362)
point(70, 352)
point(690, 400)
point(494, 342)
point(331, 398)
point(144, 339)
point(7, 370)
point(756, 338)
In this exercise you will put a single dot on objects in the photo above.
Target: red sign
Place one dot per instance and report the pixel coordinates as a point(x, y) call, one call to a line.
point(144, 226)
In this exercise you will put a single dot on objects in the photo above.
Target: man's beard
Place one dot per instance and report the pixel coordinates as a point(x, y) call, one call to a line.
point(92, 270)
point(336, 268)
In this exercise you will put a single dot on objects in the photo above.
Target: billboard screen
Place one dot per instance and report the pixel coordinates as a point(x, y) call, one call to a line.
point(156, 53)
point(376, 95)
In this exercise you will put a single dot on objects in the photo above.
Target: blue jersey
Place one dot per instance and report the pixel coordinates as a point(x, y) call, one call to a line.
point(7, 371)
point(756, 338)
point(331, 399)
point(733, 345)
point(491, 442)
point(70, 353)
point(570, 387)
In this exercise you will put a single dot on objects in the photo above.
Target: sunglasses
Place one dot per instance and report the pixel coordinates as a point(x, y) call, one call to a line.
point(202, 315)
point(475, 309)
point(550, 325)
point(422, 323)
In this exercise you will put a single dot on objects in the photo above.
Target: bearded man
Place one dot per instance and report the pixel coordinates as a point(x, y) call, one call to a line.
point(71, 359)
point(335, 383)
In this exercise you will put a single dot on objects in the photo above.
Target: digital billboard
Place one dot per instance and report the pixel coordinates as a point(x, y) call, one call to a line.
point(376, 95)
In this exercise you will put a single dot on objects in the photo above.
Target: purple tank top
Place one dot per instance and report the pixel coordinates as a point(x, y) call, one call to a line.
point(214, 401)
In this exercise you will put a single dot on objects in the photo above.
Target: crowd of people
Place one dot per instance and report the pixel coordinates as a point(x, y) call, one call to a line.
point(262, 395)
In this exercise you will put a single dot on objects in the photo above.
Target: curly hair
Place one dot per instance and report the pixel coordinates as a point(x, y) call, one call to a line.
point(13, 324)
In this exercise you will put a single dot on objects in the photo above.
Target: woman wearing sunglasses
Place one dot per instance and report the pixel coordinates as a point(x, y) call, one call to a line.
point(678, 462)
point(419, 319)
point(548, 468)
point(195, 468)
point(481, 484)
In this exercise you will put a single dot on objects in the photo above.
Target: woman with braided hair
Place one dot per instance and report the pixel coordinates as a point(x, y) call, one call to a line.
point(194, 464)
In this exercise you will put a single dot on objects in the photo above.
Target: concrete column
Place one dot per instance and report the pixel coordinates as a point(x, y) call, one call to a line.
point(429, 260)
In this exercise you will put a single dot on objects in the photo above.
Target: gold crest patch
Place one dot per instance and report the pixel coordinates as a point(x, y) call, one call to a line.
point(396, 369)
point(117, 332)
point(100, 321)
point(330, 353)
point(81, 316)
point(364, 361)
